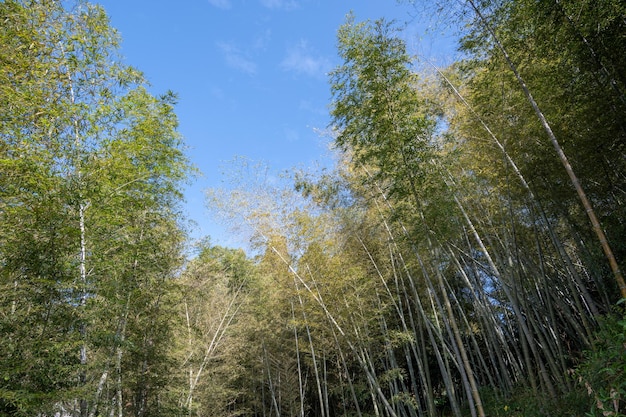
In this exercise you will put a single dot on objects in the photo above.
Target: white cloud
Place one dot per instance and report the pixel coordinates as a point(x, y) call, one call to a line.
point(262, 40)
point(237, 59)
point(300, 59)
point(280, 4)
point(221, 4)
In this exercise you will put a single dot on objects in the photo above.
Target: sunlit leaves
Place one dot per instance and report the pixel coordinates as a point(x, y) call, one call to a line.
point(90, 173)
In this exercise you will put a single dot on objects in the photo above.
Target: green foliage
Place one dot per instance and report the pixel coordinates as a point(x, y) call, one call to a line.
point(212, 326)
point(90, 172)
point(600, 379)
point(446, 253)
point(444, 268)
point(577, 79)
point(603, 370)
point(522, 402)
point(375, 109)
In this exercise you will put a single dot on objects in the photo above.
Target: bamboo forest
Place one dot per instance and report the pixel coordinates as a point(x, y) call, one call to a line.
point(463, 257)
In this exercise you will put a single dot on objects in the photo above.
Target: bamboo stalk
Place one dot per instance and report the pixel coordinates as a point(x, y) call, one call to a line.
point(595, 223)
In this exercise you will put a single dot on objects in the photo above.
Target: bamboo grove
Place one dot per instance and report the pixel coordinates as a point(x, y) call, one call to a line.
point(464, 257)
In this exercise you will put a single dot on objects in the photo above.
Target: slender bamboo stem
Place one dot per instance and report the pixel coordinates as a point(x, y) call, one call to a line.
point(582, 195)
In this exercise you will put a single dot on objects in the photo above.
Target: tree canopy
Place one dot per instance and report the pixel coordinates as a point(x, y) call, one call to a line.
point(462, 258)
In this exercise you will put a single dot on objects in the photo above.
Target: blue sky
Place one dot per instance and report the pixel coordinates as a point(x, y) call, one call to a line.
point(251, 76)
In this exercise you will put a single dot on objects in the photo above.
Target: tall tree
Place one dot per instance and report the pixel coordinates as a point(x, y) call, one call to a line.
point(93, 165)
point(577, 69)
point(212, 331)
